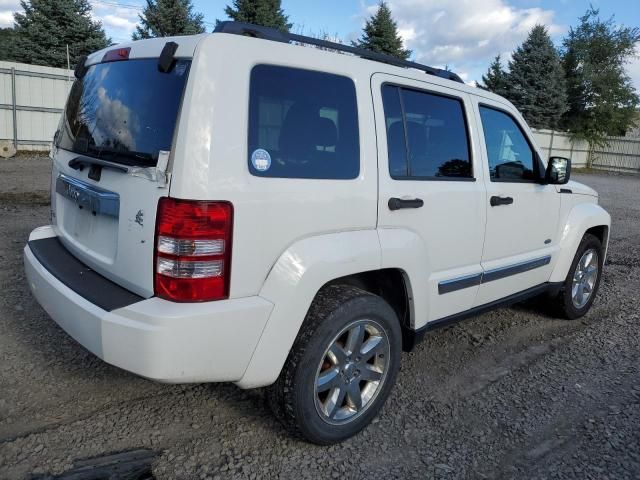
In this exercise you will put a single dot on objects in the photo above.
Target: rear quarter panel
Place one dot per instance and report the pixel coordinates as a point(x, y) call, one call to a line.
point(211, 158)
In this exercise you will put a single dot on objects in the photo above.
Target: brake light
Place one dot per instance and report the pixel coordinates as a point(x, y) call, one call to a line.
point(116, 55)
point(193, 250)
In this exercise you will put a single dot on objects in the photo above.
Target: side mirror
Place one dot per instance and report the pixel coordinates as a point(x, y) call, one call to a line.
point(558, 171)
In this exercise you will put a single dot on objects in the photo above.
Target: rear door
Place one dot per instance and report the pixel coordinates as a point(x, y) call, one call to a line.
point(522, 214)
point(431, 184)
point(111, 148)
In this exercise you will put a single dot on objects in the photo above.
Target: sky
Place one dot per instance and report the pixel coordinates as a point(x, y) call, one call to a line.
point(464, 35)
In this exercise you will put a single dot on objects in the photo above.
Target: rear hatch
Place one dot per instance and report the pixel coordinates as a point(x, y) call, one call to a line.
point(110, 158)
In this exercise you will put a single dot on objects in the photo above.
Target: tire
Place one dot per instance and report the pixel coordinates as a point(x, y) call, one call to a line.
point(567, 304)
point(302, 401)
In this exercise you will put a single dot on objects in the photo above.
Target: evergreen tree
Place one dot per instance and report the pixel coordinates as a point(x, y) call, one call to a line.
point(7, 36)
point(601, 98)
point(46, 27)
point(267, 13)
point(535, 83)
point(381, 34)
point(495, 79)
point(165, 18)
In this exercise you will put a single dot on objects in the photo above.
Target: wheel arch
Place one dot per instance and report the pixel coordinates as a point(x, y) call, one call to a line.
point(307, 266)
point(583, 218)
point(394, 286)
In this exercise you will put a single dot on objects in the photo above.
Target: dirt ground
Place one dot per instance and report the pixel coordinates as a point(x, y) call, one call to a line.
point(510, 394)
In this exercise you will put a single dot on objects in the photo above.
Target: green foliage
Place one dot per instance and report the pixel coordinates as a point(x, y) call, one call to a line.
point(535, 83)
point(602, 100)
point(381, 34)
point(165, 18)
point(267, 13)
point(495, 80)
point(46, 27)
point(7, 36)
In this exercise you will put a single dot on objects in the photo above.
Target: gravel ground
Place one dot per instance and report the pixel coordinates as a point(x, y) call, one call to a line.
point(509, 394)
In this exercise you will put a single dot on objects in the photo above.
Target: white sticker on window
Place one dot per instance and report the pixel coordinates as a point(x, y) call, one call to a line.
point(261, 160)
point(181, 67)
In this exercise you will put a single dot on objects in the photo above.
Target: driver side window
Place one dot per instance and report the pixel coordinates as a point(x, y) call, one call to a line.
point(511, 158)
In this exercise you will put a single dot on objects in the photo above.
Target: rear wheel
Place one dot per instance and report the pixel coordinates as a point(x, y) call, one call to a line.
point(582, 282)
point(341, 368)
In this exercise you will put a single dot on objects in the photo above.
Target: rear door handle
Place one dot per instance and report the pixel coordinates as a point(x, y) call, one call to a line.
point(398, 203)
point(495, 201)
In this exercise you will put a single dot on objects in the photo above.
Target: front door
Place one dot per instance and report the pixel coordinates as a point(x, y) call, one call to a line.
point(522, 214)
point(431, 187)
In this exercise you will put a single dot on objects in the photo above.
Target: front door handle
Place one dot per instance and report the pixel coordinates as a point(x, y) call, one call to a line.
point(398, 203)
point(495, 201)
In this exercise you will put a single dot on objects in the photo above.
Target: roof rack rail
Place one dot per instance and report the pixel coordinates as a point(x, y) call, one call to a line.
point(266, 33)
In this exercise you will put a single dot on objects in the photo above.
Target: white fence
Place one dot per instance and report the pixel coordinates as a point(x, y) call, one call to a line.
point(620, 154)
point(31, 101)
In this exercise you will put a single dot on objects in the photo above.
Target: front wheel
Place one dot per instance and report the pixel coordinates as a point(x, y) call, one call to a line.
point(582, 281)
point(341, 367)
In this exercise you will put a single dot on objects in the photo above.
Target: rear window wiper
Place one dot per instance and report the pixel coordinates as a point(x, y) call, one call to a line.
point(81, 161)
point(127, 157)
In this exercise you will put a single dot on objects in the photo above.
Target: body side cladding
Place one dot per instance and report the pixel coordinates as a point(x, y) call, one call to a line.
point(458, 283)
point(417, 336)
point(467, 281)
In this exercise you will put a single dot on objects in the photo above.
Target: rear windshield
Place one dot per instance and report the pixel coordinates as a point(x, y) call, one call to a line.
point(124, 111)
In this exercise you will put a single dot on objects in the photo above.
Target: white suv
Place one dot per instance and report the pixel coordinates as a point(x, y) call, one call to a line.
point(239, 207)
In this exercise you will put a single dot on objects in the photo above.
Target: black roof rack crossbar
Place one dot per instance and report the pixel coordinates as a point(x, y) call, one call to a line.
point(266, 33)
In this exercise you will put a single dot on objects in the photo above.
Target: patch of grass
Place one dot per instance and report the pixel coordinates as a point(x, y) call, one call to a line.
point(587, 170)
point(35, 198)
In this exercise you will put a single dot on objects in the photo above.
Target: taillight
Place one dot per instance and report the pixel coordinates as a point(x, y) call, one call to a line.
point(193, 250)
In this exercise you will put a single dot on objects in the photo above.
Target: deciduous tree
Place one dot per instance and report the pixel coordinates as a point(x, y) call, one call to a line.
point(601, 98)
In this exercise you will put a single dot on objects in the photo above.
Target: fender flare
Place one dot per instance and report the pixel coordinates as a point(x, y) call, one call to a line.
point(581, 218)
point(291, 286)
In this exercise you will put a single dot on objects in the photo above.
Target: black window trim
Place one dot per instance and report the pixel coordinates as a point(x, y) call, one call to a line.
point(399, 87)
point(537, 160)
point(355, 91)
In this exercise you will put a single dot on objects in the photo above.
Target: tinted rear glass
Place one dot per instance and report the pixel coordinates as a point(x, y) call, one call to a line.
point(124, 111)
point(426, 134)
point(302, 124)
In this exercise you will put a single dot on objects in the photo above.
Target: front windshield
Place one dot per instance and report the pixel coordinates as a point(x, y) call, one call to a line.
point(124, 111)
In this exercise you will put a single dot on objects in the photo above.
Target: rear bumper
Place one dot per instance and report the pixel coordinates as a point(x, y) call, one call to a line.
point(155, 338)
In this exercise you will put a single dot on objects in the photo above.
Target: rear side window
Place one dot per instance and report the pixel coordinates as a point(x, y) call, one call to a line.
point(302, 124)
point(426, 135)
point(511, 158)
